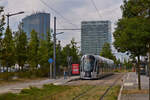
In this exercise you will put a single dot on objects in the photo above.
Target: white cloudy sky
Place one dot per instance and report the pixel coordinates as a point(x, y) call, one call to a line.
point(74, 11)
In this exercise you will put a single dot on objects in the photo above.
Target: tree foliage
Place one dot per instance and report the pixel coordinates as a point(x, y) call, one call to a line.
point(132, 33)
point(8, 50)
point(107, 52)
point(70, 50)
point(2, 23)
point(45, 52)
point(18, 49)
point(21, 47)
point(33, 50)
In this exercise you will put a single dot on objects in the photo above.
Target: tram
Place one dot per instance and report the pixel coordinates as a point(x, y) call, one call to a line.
point(95, 67)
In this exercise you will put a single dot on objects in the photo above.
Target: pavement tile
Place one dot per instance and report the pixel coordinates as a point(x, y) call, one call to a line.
point(131, 82)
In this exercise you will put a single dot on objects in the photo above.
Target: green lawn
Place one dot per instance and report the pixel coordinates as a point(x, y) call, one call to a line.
point(52, 92)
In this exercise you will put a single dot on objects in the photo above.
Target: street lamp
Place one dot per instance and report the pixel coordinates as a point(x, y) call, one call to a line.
point(9, 15)
point(54, 55)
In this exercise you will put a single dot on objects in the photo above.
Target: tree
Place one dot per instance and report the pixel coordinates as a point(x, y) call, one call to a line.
point(70, 50)
point(132, 33)
point(65, 54)
point(33, 50)
point(134, 8)
point(107, 52)
point(43, 56)
point(58, 56)
point(21, 47)
point(74, 51)
point(45, 52)
point(49, 44)
point(2, 23)
point(8, 50)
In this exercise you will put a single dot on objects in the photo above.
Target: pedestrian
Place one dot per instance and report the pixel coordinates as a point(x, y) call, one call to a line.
point(65, 73)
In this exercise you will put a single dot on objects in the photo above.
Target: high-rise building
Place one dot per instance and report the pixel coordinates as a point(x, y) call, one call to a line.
point(40, 22)
point(93, 36)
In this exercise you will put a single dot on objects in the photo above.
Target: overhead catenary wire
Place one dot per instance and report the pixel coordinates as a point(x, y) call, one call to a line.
point(96, 8)
point(58, 13)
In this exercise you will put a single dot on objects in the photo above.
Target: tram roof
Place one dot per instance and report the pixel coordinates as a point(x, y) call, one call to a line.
point(100, 57)
point(104, 59)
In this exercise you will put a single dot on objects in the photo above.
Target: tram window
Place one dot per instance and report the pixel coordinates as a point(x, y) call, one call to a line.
point(102, 66)
point(89, 63)
point(95, 66)
point(82, 65)
point(98, 70)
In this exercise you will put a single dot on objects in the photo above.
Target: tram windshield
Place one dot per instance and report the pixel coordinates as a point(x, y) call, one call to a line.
point(89, 63)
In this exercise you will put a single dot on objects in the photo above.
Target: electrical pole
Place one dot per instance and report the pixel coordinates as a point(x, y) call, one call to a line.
point(149, 70)
point(9, 15)
point(54, 55)
point(8, 21)
point(59, 57)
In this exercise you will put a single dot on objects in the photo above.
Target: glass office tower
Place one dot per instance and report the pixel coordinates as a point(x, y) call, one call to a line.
point(93, 36)
point(40, 22)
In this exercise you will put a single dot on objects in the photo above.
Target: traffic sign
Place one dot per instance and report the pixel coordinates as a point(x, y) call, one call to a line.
point(50, 60)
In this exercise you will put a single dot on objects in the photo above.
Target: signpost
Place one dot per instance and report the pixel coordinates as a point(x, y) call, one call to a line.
point(50, 69)
point(69, 60)
point(75, 69)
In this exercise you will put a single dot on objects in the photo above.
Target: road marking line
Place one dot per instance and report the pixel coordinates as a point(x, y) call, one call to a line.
point(128, 84)
point(120, 92)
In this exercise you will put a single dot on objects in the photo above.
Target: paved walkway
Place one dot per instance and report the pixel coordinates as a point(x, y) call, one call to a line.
point(17, 87)
point(131, 83)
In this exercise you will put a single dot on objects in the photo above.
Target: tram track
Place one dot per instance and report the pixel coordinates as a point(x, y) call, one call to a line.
point(94, 86)
point(107, 90)
point(83, 93)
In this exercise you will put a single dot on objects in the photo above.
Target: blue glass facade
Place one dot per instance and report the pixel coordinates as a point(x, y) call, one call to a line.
point(93, 36)
point(40, 22)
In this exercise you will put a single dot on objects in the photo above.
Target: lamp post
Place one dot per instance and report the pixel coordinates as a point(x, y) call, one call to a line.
point(9, 15)
point(54, 49)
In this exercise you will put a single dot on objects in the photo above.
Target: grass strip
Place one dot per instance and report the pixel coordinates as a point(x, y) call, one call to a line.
point(53, 92)
point(113, 93)
point(48, 92)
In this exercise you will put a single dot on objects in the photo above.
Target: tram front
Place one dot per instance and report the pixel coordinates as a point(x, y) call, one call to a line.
point(87, 67)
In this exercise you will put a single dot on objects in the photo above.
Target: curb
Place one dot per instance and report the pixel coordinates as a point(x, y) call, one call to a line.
point(65, 81)
point(120, 93)
point(75, 79)
point(119, 96)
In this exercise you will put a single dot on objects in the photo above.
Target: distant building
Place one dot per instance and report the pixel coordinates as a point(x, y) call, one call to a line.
point(93, 36)
point(40, 22)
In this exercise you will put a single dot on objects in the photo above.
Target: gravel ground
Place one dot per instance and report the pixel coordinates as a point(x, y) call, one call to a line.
point(103, 81)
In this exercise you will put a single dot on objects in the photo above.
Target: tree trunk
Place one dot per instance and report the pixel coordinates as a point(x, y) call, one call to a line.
point(3, 68)
point(139, 77)
point(149, 73)
point(22, 68)
point(7, 68)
